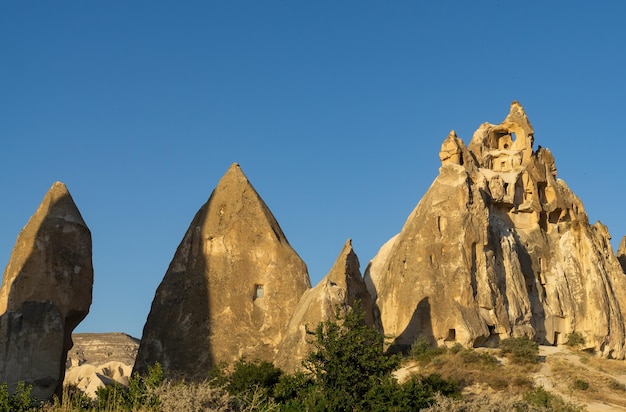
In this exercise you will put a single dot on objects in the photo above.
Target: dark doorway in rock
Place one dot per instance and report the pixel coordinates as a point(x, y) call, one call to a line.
point(451, 336)
point(557, 337)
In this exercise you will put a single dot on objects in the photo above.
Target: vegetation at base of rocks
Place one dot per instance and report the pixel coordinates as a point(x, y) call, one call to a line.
point(140, 392)
point(20, 400)
point(575, 340)
point(422, 351)
point(520, 350)
point(541, 398)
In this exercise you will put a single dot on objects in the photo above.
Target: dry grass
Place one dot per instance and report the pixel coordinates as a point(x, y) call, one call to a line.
point(589, 380)
point(474, 367)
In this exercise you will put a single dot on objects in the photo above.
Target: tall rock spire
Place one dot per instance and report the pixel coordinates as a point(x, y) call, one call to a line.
point(499, 247)
point(230, 288)
point(45, 293)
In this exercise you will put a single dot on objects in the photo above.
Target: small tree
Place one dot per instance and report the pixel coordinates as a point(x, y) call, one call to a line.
point(348, 360)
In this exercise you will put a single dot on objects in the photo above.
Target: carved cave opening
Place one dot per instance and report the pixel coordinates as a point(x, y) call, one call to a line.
point(259, 292)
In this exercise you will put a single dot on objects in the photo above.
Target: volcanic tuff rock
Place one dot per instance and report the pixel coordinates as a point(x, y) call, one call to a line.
point(499, 247)
point(339, 290)
point(230, 290)
point(46, 292)
point(99, 359)
point(621, 253)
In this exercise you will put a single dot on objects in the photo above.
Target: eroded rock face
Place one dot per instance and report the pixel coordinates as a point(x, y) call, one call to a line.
point(230, 290)
point(621, 253)
point(499, 247)
point(50, 266)
point(339, 290)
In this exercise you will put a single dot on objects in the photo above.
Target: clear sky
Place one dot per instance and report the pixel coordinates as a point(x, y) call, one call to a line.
point(335, 110)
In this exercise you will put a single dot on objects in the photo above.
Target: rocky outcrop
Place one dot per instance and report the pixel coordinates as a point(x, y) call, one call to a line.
point(340, 289)
point(89, 378)
point(100, 348)
point(46, 292)
point(230, 289)
point(99, 359)
point(499, 247)
point(621, 253)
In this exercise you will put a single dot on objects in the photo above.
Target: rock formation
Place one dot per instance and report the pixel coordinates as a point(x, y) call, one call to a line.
point(339, 290)
point(499, 247)
point(99, 359)
point(99, 348)
point(46, 292)
point(621, 253)
point(230, 289)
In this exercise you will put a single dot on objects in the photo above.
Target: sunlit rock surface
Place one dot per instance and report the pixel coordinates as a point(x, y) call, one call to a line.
point(339, 291)
point(230, 290)
point(46, 292)
point(499, 247)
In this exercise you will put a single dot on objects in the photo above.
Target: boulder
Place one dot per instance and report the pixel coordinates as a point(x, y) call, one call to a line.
point(500, 247)
point(50, 265)
point(230, 289)
point(336, 293)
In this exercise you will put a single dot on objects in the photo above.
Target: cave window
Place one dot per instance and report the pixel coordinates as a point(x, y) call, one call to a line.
point(492, 329)
point(258, 292)
point(557, 336)
point(451, 335)
point(513, 136)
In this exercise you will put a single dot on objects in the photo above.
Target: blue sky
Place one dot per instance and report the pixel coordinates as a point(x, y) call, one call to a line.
point(335, 111)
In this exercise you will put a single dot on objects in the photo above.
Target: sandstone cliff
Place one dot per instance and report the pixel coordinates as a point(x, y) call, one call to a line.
point(339, 290)
point(230, 290)
point(498, 247)
point(46, 292)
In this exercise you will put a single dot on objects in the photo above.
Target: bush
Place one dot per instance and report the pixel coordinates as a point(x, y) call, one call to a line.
point(581, 384)
point(422, 351)
point(140, 393)
point(20, 400)
point(544, 399)
point(520, 350)
point(253, 379)
point(575, 339)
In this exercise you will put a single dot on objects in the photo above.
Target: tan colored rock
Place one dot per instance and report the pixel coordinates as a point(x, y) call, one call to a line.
point(90, 377)
point(499, 247)
point(51, 262)
point(230, 290)
point(340, 289)
point(621, 254)
point(100, 348)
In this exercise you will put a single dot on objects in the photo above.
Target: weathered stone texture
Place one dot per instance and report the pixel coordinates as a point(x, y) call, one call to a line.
point(621, 254)
point(499, 247)
point(51, 263)
point(340, 289)
point(230, 290)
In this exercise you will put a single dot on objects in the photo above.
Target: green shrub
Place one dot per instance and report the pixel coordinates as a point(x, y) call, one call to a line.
point(617, 386)
point(544, 399)
point(140, 393)
point(581, 384)
point(575, 339)
point(20, 400)
point(520, 350)
point(473, 356)
point(253, 379)
point(422, 351)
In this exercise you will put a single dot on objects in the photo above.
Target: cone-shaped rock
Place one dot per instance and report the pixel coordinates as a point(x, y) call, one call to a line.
point(621, 254)
point(339, 290)
point(230, 289)
point(499, 247)
point(46, 285)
